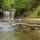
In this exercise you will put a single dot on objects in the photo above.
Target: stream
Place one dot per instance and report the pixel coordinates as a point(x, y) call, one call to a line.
point(17, 33)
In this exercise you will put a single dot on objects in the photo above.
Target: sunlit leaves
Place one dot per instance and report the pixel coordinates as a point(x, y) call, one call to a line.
point(36, 13)
point(6, 4)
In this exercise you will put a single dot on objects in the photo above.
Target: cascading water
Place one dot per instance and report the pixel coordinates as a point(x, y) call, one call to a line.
point(7, 16)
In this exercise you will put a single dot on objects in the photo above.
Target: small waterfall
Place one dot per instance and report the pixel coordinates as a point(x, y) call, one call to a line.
point(8, 18)
point(7, 21)
point(6, 15)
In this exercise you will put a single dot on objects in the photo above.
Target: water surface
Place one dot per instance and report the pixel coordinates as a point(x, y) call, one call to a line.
point(18, 33)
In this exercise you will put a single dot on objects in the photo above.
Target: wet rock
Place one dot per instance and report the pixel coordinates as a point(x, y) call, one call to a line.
point(36, 28)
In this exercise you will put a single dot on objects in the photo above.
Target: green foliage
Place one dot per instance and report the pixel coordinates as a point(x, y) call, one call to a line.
point(1, 1)
point(36, 14)
point(38, 11)
point(6, 4)
point(17, 4)
point(20, 4)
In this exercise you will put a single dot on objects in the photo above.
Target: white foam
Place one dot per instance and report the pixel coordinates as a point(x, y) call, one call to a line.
point(4, 26)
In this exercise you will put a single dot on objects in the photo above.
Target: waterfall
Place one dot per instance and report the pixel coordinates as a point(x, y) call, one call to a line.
point(8, 20)
point(6, 15)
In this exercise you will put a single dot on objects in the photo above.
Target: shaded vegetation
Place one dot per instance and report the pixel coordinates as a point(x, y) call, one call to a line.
point(21, 6)
point(36, 13)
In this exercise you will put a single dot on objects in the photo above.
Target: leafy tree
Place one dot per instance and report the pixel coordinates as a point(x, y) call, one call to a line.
point(21, 5)
point(6, 4)
point(38, 11)
point(1, 2)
